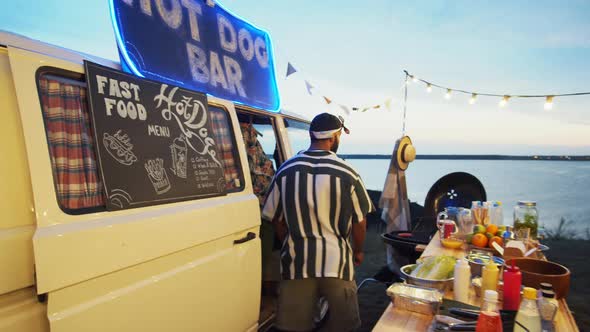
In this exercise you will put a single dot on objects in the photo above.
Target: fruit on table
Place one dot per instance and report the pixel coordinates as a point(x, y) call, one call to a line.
point(479, 240)
point(496, 239)
point(492, 228)
point(499, 233)
point(469, 237)
point(479, 229)
point(489, 235)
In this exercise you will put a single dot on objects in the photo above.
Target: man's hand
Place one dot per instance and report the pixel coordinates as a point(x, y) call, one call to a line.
point(358, 257)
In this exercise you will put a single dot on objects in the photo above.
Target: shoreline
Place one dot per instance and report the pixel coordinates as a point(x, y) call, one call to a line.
point(472, 157)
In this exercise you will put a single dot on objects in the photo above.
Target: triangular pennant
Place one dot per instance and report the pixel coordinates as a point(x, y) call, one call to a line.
point(328, 100)
point(345, 109)
point(364, 109)
point(387, 103)
point(290, 69)
point(308, 86)
point(377, 106)
point(355, 109)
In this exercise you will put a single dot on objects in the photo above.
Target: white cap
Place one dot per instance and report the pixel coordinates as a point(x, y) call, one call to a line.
point(491, 295)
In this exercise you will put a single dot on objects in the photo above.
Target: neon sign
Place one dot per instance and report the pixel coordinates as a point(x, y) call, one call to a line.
point(197, 46)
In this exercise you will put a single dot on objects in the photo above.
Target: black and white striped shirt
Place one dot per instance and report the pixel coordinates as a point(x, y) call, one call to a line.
point(320, 196)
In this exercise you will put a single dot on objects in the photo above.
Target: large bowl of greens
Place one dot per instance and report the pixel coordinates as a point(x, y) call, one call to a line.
point(432, 272)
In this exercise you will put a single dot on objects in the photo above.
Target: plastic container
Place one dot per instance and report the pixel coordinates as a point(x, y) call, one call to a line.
point(489, 277)
point(512, 281)
point(528, 318)
point(489, 317)
point(462, 281)
point(414, 298)
point(526, 216)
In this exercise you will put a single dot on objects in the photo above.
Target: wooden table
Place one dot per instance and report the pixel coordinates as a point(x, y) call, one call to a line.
point(400, 320)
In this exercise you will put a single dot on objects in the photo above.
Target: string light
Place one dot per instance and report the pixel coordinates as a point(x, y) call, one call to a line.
point(504, 101)
point(505, 98)
point(448, 94)
point(548, 103)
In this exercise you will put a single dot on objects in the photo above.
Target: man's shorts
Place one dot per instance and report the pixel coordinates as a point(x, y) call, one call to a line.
point(298, 301)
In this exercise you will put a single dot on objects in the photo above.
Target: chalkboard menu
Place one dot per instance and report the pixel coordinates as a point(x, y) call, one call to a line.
point(154, 141)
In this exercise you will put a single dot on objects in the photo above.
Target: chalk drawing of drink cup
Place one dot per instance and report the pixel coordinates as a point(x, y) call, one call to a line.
point(179, 151)
point(157, 175)
point(119, 147)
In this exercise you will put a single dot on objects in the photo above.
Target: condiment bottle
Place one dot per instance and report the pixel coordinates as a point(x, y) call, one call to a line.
point(512, 282)
point(528, 318)
point(489, 317)
point(489, 276)
point(462, 280)
point(549, 296)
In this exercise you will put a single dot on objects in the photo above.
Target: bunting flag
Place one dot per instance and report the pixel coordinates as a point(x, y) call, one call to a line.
point(377, 106)
point(328, 100)
point(308, 86)
point(345, 109)
point(355, 109)
point(387, 103)
point(290, 69)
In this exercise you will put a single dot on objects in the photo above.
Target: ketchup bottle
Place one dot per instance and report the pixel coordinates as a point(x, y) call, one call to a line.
point(512, 282)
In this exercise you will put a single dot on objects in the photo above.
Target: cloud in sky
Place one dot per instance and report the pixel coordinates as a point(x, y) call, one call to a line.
point(355, 51)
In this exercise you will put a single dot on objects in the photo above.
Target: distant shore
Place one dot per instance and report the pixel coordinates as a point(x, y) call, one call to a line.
point(470, 157)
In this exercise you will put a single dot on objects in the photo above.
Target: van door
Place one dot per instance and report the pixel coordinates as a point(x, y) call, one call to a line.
point(186, 266)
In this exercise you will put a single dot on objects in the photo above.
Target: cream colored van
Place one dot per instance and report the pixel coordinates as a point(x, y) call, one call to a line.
point(185, 266)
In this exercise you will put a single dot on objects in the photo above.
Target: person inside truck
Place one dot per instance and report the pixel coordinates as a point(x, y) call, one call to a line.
point(316, 202)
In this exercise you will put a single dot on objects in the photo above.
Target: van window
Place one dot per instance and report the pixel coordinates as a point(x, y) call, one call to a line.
point(263, 151)
point(71, 144)
point(298, 133)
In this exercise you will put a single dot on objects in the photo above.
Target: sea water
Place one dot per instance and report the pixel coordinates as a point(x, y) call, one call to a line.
point(560, 188)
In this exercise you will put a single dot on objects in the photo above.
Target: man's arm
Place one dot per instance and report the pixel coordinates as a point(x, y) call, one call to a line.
point(359, 230)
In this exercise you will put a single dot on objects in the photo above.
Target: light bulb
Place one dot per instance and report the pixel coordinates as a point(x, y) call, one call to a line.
point(414, 79)
point(473, 98)
point(429, 88)
point(448, 94)
point(549, 103)
point(504, 101)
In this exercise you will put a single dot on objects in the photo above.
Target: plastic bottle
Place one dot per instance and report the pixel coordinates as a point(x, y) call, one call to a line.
point(528, 313)
point(489, 317)
point(462, 280)
point(489, 276)
point(547, 309)
point(512, 282)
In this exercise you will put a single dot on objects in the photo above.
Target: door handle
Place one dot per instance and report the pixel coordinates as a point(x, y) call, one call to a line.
point(248, 237)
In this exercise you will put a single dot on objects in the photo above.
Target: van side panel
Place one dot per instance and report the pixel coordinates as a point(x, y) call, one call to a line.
point(17, 224)
point(203, 294)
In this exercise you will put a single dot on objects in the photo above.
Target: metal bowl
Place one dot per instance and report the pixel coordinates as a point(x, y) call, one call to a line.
point(442, 285)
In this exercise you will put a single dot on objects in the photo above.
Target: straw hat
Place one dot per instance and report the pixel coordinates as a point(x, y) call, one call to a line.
point(405, 153)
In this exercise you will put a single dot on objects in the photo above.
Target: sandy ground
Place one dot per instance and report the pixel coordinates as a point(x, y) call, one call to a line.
point(373, 300)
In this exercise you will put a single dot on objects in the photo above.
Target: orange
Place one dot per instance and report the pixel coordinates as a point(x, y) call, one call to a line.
point(479, 240)
point(496, 239)
point(492, 229)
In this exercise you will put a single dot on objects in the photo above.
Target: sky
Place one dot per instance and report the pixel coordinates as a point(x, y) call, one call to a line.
point(355, 52)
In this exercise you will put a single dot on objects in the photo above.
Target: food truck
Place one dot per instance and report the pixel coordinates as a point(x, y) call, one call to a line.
point(131, 190)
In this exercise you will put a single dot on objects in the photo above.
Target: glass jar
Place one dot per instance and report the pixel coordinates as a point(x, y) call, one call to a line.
point(526, 216)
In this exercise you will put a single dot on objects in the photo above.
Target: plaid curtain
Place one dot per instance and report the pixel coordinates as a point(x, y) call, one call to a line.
point(225, 145)
point(71, 145)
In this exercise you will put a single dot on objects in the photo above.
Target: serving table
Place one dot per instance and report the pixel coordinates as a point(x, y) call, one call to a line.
point(394, 319)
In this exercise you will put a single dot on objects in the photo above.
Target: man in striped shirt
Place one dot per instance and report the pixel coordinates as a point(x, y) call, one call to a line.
point(318, 204)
